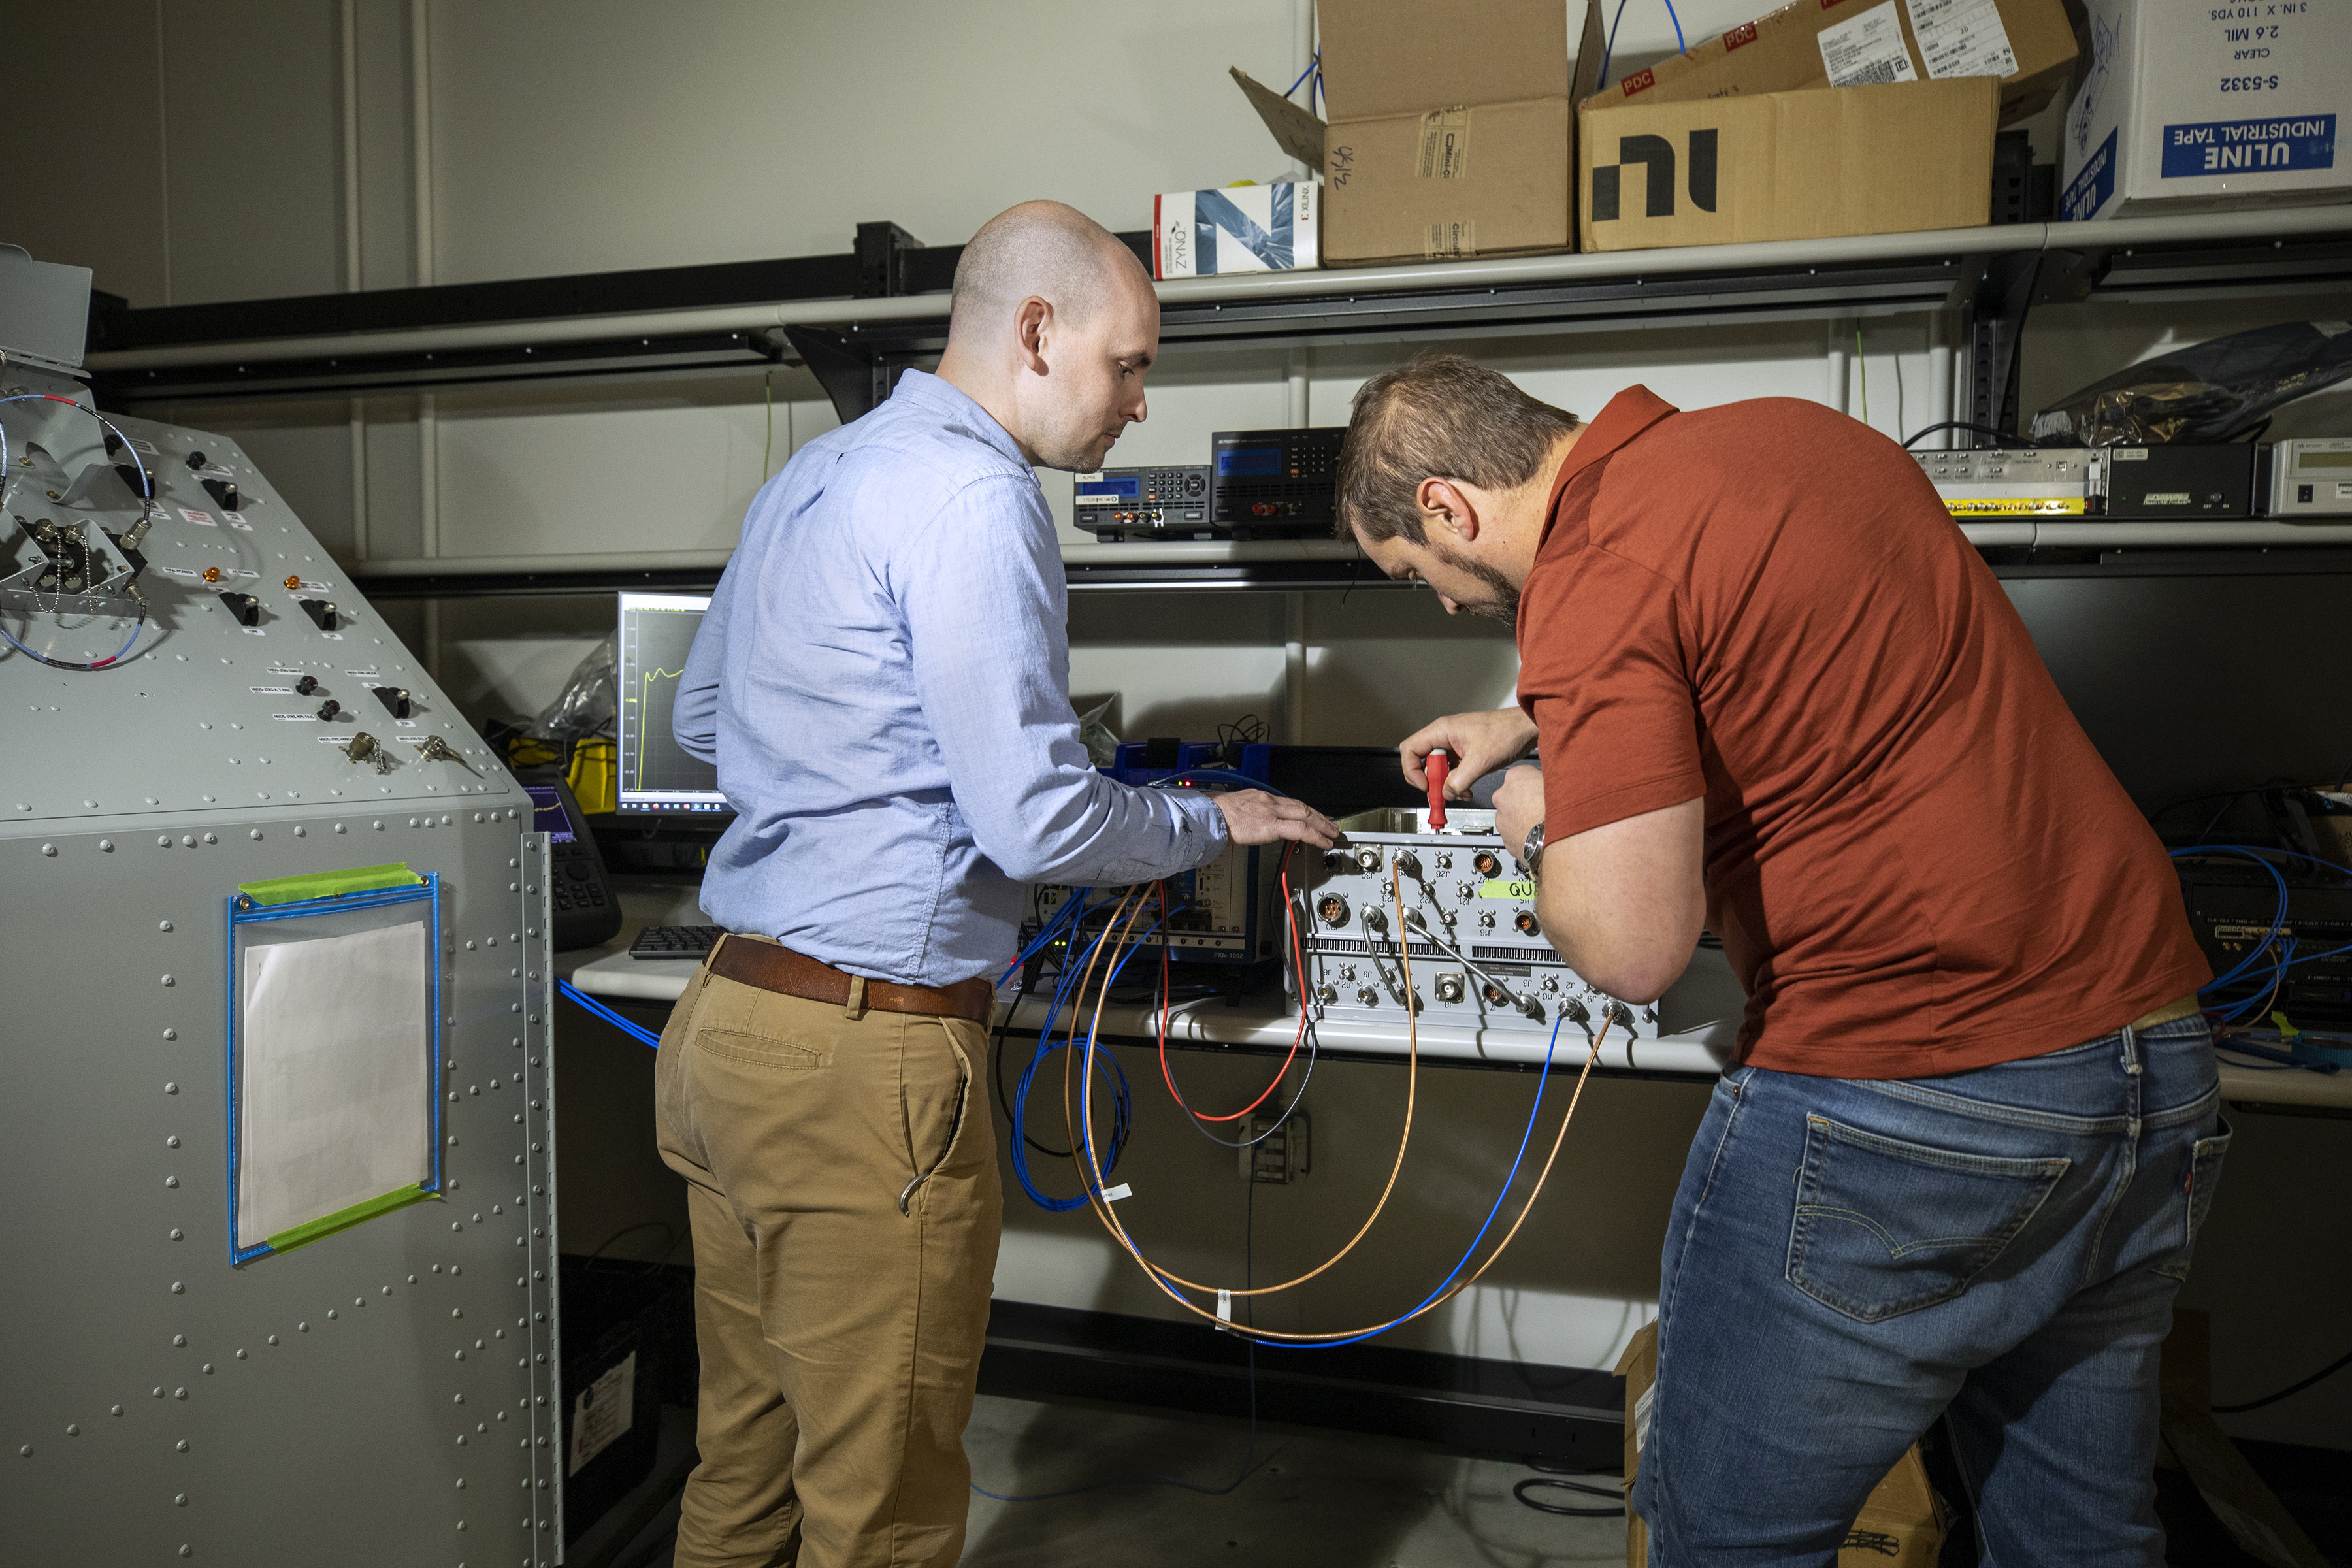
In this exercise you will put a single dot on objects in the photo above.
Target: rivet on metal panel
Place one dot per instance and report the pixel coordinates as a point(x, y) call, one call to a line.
point(208, 1369)
point(163, 925)
point(171, 1034)
point(164, 840)
point(331, 1312)
point(159, 1393)
point(411, 1279)
point(180, 1341)
point(171, 1089)
point(176, 1233)
point(453, 1094)
point(178, 1288)
point(377, 825)
point(172, 1143)
point(211, 839)
point(359, 1300)
point(299, 833)
point(180, 1500)
point(116, 1410)
point(452, 1142)
point(273, 1338)
point(411, 822)
point(187, 841)
point(73, 1429)
point(338, 827)
point(168, 981)
point(107, 845)
point(254, 833)
point(179, 1394)
point(182, 1446)
point(454, 1268)
point(171, 1181)
point(461, 1355)
point(49, 850)
point(531, 931)
point(240, 1355)
point(302, 1327)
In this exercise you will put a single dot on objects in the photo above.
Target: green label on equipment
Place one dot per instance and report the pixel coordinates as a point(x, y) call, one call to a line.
point(1524, 892)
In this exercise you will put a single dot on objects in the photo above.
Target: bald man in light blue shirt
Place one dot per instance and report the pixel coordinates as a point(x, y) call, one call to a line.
point(882, 683)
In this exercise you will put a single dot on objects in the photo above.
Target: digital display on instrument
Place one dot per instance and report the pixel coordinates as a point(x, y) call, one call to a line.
point(1250, 460)
point(1121, 487)
point(547, 812)
point(2322, 460)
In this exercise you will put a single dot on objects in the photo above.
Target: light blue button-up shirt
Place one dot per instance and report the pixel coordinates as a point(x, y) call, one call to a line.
point(883, 680)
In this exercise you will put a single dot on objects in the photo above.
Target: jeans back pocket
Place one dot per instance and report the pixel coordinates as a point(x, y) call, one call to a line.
point(2198, 1184)
point(1885, 1226)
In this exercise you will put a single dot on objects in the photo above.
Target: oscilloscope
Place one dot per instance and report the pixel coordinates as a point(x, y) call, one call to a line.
point(656, 631)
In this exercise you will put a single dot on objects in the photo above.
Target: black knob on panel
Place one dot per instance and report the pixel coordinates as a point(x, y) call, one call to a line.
point(329, 707)
point(197, 459)
point(307, 685)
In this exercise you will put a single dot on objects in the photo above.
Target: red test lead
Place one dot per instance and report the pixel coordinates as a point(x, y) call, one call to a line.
point(1436, 765)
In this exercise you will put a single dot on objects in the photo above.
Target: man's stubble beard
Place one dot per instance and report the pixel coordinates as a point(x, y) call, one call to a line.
point(1504, 607)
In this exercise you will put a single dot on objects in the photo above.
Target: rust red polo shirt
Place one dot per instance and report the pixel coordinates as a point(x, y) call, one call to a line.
point(1915, 861)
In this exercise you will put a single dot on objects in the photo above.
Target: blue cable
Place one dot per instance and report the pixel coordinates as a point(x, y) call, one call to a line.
point(1073, 970)
point(1314, 60)
point(1680, 47)
point(1611, 48)
point(643, 1036)
point(1516, 1160)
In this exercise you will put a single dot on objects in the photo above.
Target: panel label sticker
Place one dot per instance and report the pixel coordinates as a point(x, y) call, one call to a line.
point(203, 519)
point(1524, 892)
point(272, 690)
point(602, 1411)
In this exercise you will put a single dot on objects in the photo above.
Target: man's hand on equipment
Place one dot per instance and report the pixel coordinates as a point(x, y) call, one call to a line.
point(1518, 806)
point(1478, 743)
point(1253, 816)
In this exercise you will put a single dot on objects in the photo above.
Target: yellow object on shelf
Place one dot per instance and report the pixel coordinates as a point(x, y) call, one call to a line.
point(596, 775)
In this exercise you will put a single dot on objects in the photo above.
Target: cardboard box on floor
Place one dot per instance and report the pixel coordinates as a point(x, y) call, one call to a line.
point(1900, 1525)
point(2247, 1509)
point(1786, 166)
point(1451, 131)
point(2028, 44)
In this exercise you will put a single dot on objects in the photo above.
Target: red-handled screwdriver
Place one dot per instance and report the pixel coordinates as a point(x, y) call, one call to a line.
point(1436, 765)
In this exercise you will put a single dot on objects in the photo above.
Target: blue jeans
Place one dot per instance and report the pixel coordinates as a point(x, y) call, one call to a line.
point(1849, 1259)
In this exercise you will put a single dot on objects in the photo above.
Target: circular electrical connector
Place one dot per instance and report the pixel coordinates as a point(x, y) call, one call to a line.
point(1525, 922)
point(1488, 863)
point(1449, 988)
point(1367, 859)
point(1331, 909)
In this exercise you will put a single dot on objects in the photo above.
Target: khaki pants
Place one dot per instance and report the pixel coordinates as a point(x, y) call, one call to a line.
point(840, 1338)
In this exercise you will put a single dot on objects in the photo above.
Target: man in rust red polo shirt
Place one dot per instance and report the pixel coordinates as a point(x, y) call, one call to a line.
point(1958, 1164)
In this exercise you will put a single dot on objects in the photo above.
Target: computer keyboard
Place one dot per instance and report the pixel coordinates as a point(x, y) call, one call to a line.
point(675, 942)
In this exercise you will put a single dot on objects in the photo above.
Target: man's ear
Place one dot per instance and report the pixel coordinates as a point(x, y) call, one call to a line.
point(1442, 505)
point(1033, 324)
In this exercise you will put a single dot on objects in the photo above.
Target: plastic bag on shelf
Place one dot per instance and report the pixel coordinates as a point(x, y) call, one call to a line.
point(2216, 391)
point(1102, 746)
point(591, 699)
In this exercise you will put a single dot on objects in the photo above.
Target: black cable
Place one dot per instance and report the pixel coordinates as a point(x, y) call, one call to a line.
point(2000, 437)
point(662, 1226)
point(2330, 1370)
point(1522, 1488)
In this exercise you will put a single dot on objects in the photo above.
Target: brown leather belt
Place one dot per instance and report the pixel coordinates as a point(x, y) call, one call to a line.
point(773, 967)
point(2167, 1013)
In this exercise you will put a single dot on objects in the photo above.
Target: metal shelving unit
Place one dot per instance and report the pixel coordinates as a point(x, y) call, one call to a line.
point(858, 321)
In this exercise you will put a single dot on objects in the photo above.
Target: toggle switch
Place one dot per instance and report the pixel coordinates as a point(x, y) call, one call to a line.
point(395, 699)
point(324, 611)
point(242, 608)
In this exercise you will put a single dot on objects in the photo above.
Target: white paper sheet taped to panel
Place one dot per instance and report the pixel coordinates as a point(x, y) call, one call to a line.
point(334, 1085)
point(1867, 49)
point(1961, 38)
point(602, 1411)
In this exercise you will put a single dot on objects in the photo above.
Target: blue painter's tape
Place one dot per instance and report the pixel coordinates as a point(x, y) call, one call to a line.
point(2273, 146)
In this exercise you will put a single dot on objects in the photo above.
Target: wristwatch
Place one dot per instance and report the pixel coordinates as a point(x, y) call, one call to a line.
point(1531, 852)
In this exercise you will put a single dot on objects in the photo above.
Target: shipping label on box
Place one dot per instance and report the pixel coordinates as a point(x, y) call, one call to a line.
point(2027, 45)
point(1789, 165)
point(1242, 229)
point(2197, 107)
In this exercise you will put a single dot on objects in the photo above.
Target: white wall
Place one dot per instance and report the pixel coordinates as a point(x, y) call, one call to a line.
point(255, 148)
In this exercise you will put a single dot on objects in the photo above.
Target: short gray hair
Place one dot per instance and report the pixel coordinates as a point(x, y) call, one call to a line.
point(1441, 417)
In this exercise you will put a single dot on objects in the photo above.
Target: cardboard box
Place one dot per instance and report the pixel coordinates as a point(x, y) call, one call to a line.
point(1787, 165)
point(2247, 1509)
point(1242, 229)
point(2028, 44)
point(2191, 108)
point(1450, 132)
point(1901, 1524)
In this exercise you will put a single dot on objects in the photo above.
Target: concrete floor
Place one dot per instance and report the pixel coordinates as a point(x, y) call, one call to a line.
point(1332, 1499)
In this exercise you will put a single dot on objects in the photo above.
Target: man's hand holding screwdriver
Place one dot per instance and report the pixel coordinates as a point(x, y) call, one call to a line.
point(1477, 743)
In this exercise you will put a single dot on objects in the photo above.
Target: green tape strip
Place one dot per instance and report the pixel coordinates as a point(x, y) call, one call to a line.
point(329, 884)
point(343, 1219)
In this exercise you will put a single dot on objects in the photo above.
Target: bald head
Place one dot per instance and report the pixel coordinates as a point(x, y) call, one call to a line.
point(1053, 252)
point(1053, 324)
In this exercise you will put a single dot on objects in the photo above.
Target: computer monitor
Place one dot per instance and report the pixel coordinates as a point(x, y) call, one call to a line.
point(657, 630)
